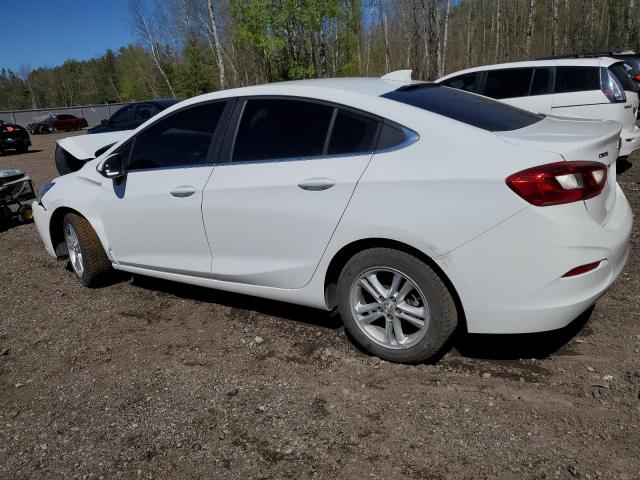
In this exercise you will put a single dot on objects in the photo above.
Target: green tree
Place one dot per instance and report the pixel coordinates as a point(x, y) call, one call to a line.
point(196, 74)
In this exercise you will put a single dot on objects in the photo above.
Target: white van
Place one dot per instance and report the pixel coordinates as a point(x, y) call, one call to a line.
point(596, 88)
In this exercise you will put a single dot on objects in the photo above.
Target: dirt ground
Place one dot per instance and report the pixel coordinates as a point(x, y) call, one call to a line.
point(152, 379)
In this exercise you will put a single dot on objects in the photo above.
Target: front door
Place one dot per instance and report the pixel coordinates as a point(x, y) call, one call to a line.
point(153, 216)
point(271, 209)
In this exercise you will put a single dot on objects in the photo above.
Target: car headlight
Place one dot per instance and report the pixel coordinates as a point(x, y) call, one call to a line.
point(42, 190)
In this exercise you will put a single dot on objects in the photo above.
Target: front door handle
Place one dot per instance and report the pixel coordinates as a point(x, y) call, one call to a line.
point(183, 191)
point(317, 184)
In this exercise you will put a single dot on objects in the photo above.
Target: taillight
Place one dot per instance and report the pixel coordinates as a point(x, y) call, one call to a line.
point(611, 87)
point(637, 77)
point(558, 183)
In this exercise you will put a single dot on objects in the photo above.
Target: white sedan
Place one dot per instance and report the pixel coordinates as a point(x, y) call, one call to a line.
point(410, 207)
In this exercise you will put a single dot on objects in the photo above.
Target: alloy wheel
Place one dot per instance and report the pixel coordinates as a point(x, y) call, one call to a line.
point(75, 253)
point(389, 308)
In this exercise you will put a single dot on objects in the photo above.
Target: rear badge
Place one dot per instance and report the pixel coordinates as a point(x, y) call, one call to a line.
point(603, 154)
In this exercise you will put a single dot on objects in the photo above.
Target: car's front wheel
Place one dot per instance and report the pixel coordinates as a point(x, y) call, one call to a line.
point(395, 306)
point(87, 257)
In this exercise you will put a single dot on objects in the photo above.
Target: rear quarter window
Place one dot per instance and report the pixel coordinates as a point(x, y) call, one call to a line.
point(475, 110)
point(577, 79)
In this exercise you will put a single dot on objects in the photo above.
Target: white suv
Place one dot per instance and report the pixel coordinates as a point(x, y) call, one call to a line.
point(597, 88)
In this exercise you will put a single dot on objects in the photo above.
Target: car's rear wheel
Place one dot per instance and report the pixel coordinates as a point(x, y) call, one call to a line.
point(87, 257)
point(395, 306)
point(22, 149)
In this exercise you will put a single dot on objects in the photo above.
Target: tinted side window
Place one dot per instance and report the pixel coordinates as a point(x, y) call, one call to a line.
point(392, 136)
point(181, 139)
point(509, 83)
point(577, 79)
point(121, 115)
point(281, 128)
point(469, 82)
point(464, 107)
point(352, 133)
point(540, 83)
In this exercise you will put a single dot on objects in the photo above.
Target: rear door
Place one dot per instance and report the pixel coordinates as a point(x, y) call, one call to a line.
point(272, 206)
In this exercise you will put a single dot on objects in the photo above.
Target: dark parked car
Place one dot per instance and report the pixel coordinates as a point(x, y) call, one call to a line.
point(13, 137)
point(132, 115)
point(52, 123)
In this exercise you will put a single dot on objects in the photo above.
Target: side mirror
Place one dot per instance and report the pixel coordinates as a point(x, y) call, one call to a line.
point(104, 121)
point(112, 166)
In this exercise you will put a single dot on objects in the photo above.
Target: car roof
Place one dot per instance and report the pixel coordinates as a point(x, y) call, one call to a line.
point(551, 62)
point(321, 88)
point(372, 86)
point(165, 102)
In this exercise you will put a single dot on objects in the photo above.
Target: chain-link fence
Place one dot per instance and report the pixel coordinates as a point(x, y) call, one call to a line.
point(93, 113)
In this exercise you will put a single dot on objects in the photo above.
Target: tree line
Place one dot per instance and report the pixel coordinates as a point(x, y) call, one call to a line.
point(188, 47)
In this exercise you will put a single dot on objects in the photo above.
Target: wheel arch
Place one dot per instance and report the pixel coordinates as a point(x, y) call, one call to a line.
point(56, 229)
point(343, 255)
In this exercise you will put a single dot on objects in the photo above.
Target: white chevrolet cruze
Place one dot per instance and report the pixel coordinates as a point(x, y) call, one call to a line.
point(410, 207)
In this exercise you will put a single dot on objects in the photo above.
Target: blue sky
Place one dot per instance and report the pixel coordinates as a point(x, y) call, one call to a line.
point(47, 32)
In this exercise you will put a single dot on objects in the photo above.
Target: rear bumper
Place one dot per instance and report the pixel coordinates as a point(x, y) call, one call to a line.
point(630, 141)
point(42, 219)
point(510, 279)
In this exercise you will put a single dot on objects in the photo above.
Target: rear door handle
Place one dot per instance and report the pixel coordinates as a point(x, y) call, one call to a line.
point(317, 184)
point(183, 191)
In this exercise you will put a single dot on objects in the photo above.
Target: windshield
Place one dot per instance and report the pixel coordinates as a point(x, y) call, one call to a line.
point(475, 110)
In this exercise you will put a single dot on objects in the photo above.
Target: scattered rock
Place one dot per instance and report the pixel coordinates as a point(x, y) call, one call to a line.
point(18, 385)
point(573, 470)
point(375, 360)
point(486, 375)
point(608, 378)
point(4, 352)
point(258, 340)
point(260, 409)
point(591, 369)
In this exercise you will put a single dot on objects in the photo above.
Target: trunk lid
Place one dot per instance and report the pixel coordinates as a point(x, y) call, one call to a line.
point(576, 139)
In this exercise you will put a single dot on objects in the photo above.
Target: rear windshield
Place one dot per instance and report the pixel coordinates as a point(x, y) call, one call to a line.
point(622, 74)
point(481, 112)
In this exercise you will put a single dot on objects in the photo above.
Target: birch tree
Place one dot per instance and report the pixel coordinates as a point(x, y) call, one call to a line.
point(530, 24)
point(153, 47)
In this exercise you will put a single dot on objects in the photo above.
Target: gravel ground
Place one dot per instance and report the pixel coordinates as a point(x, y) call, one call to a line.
point(152, 379)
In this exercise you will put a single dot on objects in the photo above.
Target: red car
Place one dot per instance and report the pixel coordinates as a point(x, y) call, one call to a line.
point(52, 123)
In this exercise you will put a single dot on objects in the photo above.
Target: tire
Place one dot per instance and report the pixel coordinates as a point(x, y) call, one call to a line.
point(25, 214)
point(419, 289)
point(87, 257)
point(22, 149)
